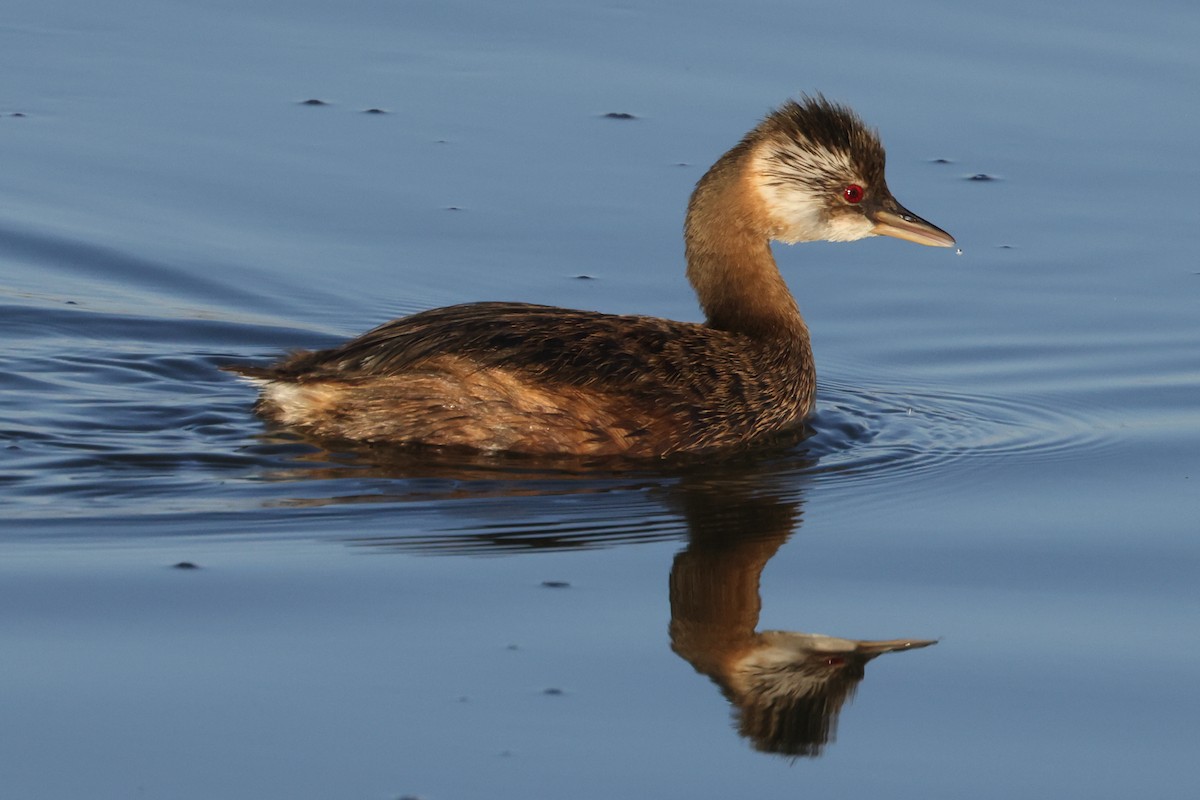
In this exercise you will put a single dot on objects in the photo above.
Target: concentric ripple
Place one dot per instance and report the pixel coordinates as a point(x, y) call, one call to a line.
point(127, 417)
point(868, 434)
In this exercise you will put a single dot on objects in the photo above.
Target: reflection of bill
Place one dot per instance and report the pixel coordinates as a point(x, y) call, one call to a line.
point(787, 688)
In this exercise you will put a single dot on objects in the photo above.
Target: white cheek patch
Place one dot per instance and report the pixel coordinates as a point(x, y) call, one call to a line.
point(794, 183)
point(849, 228)
point(797, 216)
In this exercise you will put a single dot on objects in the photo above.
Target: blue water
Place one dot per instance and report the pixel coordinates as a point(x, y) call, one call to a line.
point(1005, 459)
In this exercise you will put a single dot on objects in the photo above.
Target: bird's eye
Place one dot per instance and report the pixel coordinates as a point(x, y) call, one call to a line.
point(853, 194)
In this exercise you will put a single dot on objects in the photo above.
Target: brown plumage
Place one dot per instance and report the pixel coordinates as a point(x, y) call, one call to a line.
point(540, 380)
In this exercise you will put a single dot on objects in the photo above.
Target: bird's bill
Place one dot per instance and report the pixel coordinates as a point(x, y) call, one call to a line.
point(892, 645)
point(903, 224)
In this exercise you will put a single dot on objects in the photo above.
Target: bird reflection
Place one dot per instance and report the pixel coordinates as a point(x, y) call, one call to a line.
point(787, 688)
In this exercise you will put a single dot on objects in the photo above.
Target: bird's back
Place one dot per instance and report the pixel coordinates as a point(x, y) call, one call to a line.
point(542, 380)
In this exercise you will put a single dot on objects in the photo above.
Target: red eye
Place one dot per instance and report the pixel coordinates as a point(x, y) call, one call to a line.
point(853, 193)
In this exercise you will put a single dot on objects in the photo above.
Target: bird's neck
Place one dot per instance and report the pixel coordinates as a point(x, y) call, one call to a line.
point(730, 265)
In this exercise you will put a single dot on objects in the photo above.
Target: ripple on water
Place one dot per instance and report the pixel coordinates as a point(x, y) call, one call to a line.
point(141, 425)
point(879, 437)
point(869, 434)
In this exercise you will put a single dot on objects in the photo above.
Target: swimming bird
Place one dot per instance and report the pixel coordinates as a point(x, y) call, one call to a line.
point(545, 381)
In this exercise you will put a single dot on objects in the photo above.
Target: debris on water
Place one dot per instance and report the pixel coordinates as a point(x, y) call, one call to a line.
point(958, 252)
point(454, 208)
point(185, 565)
point(513, 647)
point(619, 115)
point(17, 114)
point(553, 692)
point(312, 101)
point(940, 161)
point(584, 278)
point(375, 111)
point(556, 584)
point(982, 176)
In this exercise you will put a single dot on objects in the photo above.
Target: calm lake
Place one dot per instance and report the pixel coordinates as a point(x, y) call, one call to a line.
point(1006, 456)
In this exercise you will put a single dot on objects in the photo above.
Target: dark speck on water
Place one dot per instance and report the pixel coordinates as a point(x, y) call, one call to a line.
point(982, 176)
point(375, 111)
point(584, 278)
point(556, 584)
point(619, 115)
point(940, 161)
point(185, 565)
point(553, 692)
point(312, 101)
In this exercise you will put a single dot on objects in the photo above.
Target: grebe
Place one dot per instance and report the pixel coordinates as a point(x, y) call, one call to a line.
point(539, 380)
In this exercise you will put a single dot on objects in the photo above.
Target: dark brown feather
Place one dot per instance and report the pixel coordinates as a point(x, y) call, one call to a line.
point(661, 386)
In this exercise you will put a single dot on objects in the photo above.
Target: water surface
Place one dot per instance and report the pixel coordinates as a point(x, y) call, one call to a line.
point(1005, 456)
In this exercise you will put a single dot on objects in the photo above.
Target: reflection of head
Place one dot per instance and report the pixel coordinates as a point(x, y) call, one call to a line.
point(786, 688)
point(789, 689)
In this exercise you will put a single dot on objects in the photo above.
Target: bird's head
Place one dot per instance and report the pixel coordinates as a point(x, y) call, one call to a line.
point(819, 171)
